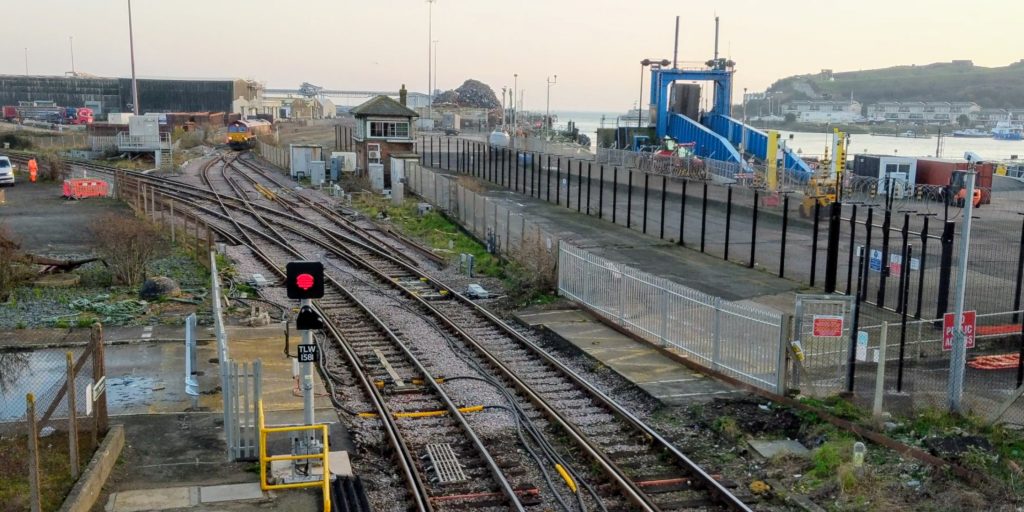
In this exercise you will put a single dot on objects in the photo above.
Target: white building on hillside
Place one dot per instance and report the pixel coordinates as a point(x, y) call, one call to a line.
point(818, 111)
point(921, 112)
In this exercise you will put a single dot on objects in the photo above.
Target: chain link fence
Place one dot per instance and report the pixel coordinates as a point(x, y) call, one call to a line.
point(52, 414)
point(917, 368)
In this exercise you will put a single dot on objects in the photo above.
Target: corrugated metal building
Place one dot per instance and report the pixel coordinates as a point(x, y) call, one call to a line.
point(68, 92)
point(115, 94)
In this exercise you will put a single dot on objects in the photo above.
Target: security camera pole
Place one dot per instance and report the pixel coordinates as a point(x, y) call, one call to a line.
point(959, 356)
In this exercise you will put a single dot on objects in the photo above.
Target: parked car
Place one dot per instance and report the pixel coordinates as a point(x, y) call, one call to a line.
point(6, 171)
point(451, 131)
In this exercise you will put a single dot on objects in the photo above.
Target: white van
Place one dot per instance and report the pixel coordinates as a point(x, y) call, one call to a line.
point(6, 171)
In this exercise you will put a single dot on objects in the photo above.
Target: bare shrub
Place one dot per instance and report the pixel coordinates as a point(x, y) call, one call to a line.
point(127, 245)
point(188, 139)
point(13, 270)
point(534, 268)
point(52, 167)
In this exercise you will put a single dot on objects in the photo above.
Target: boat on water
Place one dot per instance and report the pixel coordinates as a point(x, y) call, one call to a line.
point(972, 133)
point(1008, 130)
point(909, 134)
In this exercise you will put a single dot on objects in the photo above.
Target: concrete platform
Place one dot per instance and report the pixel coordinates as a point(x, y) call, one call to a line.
point(175, 457)
point(666, 380)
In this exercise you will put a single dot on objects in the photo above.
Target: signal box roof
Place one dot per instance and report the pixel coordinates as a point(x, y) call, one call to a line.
point(383, 106)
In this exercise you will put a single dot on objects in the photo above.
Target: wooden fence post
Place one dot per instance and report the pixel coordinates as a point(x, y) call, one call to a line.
point(172, 221)
point(98, 372)
point(72, 418)
point(33, 454)
point(195, 225)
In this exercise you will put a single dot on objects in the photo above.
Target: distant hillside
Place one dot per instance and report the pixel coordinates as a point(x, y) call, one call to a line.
point(951, 81)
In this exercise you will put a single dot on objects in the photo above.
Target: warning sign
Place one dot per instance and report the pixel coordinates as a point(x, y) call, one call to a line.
point(895, 265)
point(828, 326)
point(948, 329)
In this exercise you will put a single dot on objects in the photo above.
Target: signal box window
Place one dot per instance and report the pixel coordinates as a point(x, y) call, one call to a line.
point(389, 130)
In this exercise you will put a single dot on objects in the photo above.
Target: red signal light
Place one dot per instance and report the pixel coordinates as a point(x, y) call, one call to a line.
point(305, 281)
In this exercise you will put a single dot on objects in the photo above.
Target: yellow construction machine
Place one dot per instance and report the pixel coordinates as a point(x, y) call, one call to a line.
point(823, 187)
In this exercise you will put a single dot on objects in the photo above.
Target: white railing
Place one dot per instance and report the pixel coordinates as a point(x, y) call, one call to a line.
point(127, 142)
point(738, 340)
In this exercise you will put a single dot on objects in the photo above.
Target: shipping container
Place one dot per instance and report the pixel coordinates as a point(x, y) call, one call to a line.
point(939, 172)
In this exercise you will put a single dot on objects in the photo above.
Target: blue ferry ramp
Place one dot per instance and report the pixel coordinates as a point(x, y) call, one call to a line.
point(756, 144)
point(707, 143)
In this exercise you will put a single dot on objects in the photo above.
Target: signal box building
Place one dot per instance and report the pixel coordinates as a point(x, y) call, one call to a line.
point(384, 129)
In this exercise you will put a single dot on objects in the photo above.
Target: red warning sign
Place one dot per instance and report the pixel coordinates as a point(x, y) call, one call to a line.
point(828, 326)
point(968, 326)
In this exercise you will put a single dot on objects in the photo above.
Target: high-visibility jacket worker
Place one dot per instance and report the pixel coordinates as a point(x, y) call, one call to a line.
point(33, 169)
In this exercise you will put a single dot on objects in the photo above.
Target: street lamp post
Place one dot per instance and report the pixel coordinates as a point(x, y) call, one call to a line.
point(743, 136)
point(131, 46)
point(504, 91)
point(640, 104)
point(434, 87)
point(430, 38)
point(514, 103)
point(547, 107)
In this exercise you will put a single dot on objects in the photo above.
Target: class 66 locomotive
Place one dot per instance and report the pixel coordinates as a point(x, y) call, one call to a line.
point(244, 133)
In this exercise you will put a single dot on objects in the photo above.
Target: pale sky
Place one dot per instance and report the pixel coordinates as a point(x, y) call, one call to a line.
point(593, 46)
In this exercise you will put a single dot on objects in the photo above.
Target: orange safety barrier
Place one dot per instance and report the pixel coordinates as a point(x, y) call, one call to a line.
point(81, 188)
point(990, 330)
point(995, 362)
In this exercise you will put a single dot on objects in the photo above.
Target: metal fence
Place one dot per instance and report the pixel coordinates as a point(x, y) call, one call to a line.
point(916, 369)
point(280, 157)
point(504, 229)
point(739, 340)
point(241, 384)
point(785, 234)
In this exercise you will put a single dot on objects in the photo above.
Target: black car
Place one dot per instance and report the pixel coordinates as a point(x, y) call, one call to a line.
point(451, 131)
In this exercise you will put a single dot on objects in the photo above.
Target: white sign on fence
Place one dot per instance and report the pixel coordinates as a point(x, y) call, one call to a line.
point(98, 388)
point(862, 346)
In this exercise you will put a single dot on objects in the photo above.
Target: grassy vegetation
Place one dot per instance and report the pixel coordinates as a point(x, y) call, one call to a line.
point(523, 285)
point(998, 87)
point(432, 229)
point(55, 480)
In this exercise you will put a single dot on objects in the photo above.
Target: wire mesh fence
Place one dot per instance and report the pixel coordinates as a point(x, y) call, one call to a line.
point(917, 368)
point(52, 414)
point(505, 230)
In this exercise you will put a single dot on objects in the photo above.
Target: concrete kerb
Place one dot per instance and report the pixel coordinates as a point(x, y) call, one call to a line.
point(86, 491)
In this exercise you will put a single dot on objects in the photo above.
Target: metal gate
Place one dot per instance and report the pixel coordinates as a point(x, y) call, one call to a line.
point(822, 325)
point(242, 391)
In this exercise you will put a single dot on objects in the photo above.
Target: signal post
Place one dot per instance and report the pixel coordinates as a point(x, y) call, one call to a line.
point(305, 281)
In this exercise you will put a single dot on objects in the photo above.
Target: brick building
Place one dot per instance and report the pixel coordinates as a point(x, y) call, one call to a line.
point(384, 129)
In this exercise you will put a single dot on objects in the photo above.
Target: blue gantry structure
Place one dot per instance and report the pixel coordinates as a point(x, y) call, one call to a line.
point(717, 135)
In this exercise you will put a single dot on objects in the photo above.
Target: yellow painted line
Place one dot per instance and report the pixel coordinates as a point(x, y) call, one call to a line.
point(424, 414)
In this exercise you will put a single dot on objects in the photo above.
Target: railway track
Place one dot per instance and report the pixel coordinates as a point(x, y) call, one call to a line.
point(608, 458)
